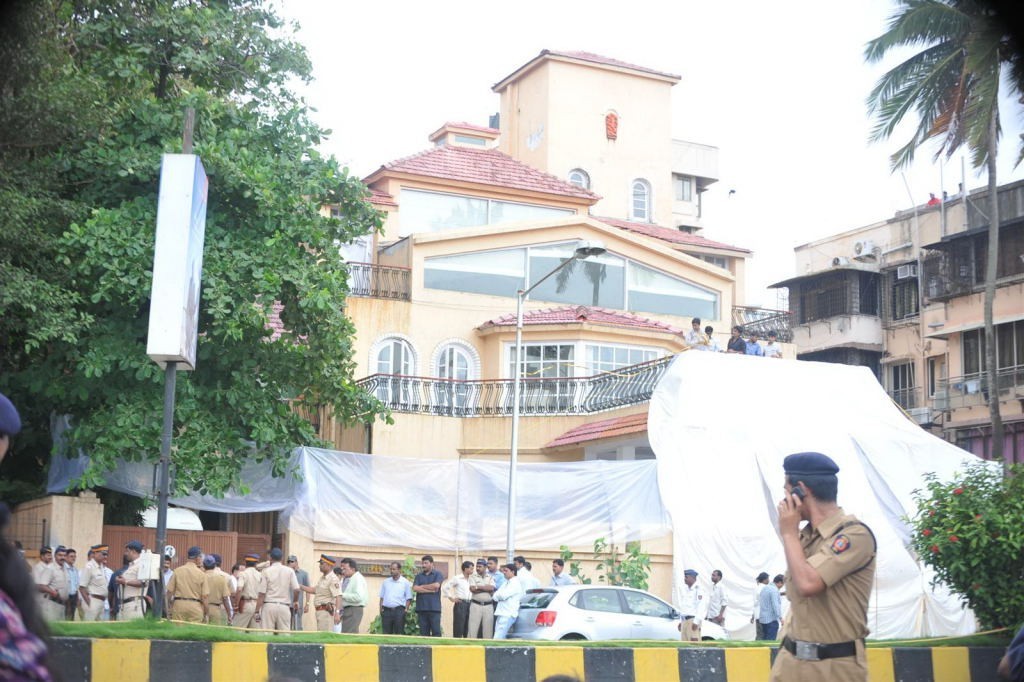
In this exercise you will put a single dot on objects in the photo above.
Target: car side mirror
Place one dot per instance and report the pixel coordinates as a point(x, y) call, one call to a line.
point(674, 615)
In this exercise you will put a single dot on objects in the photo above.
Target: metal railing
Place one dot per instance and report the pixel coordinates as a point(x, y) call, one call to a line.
point(764, 320)
point(538, 396)
point(379, 281)
point(972, 390)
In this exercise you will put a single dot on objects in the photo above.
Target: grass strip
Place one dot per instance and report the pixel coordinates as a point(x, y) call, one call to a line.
point(166, 630)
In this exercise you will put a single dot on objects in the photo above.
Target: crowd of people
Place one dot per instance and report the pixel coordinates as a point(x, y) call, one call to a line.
point(705, 341)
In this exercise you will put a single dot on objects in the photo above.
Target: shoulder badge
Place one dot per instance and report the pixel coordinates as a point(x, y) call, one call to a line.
point(840, 544)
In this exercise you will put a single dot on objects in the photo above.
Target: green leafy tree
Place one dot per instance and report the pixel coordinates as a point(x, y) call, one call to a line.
point(970, 531)
point(104, 84)
point(953, 86)
point(631, 569)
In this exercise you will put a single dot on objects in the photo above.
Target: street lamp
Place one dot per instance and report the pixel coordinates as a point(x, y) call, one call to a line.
point(583, 250)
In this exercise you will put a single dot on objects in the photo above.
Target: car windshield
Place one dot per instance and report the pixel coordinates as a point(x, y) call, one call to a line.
point(536, 599)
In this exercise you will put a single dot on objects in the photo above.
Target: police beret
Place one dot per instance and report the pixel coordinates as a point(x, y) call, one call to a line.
point(276, 554)
point(209, 561)
point(99, 548)
point(193, 552)
point(61, 548)
point(481, 562)
point(252, 559)
point(134, 545)
point(809, 464)
point(46, 549)
point(330, 561)
point(690, 572)
point(10, 422)
point(216, 558)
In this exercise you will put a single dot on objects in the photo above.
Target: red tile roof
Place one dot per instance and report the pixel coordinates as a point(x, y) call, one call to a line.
point(381, 198)
point(608, 61)
point(463, 124)
point(606, 428)
point(667, 234)
point(485, 167)
point(582, 313)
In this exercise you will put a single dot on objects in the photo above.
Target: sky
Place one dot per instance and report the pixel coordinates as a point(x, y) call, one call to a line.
point(778, 87)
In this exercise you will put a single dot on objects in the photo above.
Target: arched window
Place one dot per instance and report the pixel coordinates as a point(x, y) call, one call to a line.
point(454, 362)
point(395, 356)
point(641, 205)
point(580, 178)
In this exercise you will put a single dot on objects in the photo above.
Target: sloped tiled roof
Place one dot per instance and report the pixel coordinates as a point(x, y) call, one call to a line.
point(582, 313)
point(471, 126)
point(606, 428)
point(379, 198)
point(667, 234)
point(485, 167)
point(607, 61)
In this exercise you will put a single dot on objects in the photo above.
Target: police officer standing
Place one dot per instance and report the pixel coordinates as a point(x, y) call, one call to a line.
point(326, 595)
point(831, 568)
point(93, 587)
point(132, 587)
point(188, 591)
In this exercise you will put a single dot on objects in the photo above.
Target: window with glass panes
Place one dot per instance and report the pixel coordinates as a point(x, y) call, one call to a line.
point(544, 360)
point(609, 358)
point(1009, 348)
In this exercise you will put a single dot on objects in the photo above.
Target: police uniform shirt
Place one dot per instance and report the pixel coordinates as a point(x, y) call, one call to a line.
point(42, 574)
point(477, 580)
point(281, 584)
point(94, 580)
point(252, 580)
point(842, 551)
point(690, 600)
point(132, 573)
point(217, 585)
point(188, 582)
point(328, 588)
point(59, 581)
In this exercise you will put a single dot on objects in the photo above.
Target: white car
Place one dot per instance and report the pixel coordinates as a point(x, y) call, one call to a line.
point(599, 612)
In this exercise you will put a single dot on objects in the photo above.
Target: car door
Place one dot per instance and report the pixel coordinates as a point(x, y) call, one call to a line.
point(602, 614)
point(650, 618)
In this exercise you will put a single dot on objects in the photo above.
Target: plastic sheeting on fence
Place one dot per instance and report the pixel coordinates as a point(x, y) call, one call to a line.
point(382, 501)
point(721, 425)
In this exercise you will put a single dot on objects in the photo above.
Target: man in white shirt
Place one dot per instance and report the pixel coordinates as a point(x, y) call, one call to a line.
point(773, 349)
point(558, 574)
point(694, 338)
point(525, 575)
point(717, 602)
point(507, 598)
point(691, 607)
point(456, 589)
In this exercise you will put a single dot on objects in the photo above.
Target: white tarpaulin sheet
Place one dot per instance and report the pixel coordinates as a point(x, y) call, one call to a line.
point(721, 425)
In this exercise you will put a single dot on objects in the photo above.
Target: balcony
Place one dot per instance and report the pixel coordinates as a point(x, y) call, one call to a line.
point(539, 396)
point(368, 280)
point(972, 391)
point(764, 320)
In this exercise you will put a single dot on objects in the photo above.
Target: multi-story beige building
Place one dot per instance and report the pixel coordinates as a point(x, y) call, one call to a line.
point(904, 297)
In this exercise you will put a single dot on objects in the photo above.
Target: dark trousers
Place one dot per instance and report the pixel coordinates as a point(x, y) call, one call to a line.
point(460, 618)
point(430, 623)
point(759, 630)
point(392, 620)
point(771, 630)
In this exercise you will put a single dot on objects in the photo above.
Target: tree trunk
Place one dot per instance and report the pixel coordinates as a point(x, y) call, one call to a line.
point(991, 369)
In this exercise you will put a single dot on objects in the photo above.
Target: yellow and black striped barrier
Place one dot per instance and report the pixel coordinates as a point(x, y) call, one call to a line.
point(140, 660)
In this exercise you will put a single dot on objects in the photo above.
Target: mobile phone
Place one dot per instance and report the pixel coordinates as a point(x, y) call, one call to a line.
point(798, 490)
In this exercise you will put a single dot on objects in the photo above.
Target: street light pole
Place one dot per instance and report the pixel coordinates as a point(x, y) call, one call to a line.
point(584, 250)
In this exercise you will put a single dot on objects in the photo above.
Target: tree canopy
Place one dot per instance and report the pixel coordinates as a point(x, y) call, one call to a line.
point(93, 94)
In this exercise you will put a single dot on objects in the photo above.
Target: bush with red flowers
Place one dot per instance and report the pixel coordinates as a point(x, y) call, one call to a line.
point(970, 531)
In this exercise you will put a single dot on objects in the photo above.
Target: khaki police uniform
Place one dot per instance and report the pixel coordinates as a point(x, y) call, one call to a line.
point(93, 583)
point(481, 607)
point(279, 590)
point(132, 598)
point(189, 589)
point(843, 551)
point(220, 593)
point(252, 581)
point(325, 601)
point(51, 575)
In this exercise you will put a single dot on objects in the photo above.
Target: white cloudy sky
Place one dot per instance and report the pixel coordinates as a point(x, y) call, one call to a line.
point(778, 87)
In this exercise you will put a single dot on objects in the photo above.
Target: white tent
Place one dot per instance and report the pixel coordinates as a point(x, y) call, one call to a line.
point(721, 426)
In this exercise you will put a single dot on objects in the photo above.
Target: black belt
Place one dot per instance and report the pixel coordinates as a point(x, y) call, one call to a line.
point(482, 603)
point(812, 651)
point(217, 604)
point(688, 617)
point(185, 599)
point(55, 600)
point(129, 600)
point(391, 608)
point(283, 603)
point(97, 596)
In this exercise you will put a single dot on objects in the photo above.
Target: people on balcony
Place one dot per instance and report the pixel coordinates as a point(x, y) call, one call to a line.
point(773, 349)
point(736, 343)
point(754, 345)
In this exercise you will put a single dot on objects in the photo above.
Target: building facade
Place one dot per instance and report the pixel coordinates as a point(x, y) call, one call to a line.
point(905, 298)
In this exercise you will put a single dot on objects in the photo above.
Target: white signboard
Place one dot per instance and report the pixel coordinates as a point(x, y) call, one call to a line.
point(177, 261)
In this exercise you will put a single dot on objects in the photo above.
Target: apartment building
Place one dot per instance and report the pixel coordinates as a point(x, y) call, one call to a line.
point(905, 298)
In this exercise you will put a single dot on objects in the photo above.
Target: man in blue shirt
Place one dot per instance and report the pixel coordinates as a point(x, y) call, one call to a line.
point(395, 595)
point(753, 347)
point(770, 609)
point(494, 572)
point(427, 587)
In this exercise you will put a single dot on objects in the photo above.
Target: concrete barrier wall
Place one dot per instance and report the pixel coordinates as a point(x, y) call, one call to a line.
point(136, 660)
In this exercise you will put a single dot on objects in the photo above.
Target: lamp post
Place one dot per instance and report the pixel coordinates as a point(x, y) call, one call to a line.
point(584, 250)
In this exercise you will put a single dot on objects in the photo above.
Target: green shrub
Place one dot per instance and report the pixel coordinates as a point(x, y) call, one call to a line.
point(970, 531)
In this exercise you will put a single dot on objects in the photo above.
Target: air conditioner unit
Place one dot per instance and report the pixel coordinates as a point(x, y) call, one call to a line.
point(921, 415)
point(906, 271)
point(840, 261)
point(864, 249)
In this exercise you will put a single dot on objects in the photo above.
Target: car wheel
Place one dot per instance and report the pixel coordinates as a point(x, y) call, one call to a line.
point(573, 637)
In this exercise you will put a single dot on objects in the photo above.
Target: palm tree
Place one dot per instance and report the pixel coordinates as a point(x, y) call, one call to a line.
point(953, 85)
